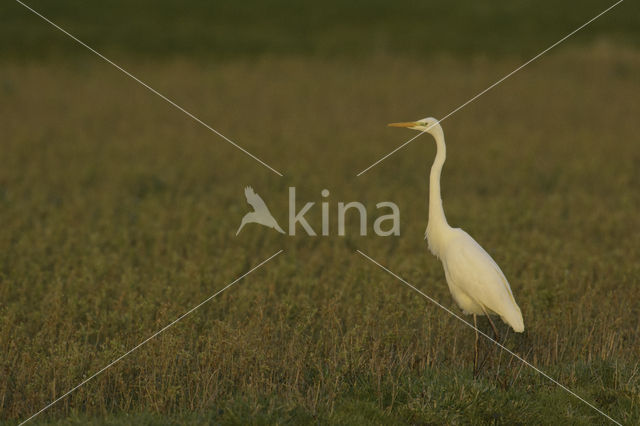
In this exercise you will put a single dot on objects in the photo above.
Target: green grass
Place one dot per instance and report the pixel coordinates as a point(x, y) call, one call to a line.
point(118, 214)
point(213, 30)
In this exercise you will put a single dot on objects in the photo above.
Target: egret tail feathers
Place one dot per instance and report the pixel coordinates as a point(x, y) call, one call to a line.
point(514, 319)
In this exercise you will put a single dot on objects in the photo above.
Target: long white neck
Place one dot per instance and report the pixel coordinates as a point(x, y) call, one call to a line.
point(437, 226)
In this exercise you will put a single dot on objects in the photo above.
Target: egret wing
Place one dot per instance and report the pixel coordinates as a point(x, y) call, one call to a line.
point(472, 270)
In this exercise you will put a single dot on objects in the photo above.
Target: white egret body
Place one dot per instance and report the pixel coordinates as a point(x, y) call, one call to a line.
point(475, 280)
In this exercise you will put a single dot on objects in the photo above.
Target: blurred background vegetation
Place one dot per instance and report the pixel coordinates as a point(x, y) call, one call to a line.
point(216, 29)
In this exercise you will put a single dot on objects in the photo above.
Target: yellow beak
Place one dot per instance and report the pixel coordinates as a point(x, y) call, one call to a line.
point(405, 124)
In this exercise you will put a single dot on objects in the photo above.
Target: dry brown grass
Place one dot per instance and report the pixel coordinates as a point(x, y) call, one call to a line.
point(118, 214)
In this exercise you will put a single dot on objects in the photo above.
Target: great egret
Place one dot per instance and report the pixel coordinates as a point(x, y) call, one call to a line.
point(475, 280)
point(260, 213)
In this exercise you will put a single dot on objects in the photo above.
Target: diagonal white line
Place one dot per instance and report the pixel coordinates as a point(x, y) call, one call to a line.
point(501, 346)
point(103, 369)
point(493, 85)
point(151, 89)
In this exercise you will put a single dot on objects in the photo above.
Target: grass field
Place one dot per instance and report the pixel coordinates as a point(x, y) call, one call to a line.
point(118, 214)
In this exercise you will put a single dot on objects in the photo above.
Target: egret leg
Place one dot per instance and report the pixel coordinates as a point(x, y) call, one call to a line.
point(475, 359)
point(495, 330)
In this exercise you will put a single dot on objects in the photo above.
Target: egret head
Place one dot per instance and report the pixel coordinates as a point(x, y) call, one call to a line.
point(425, 125)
